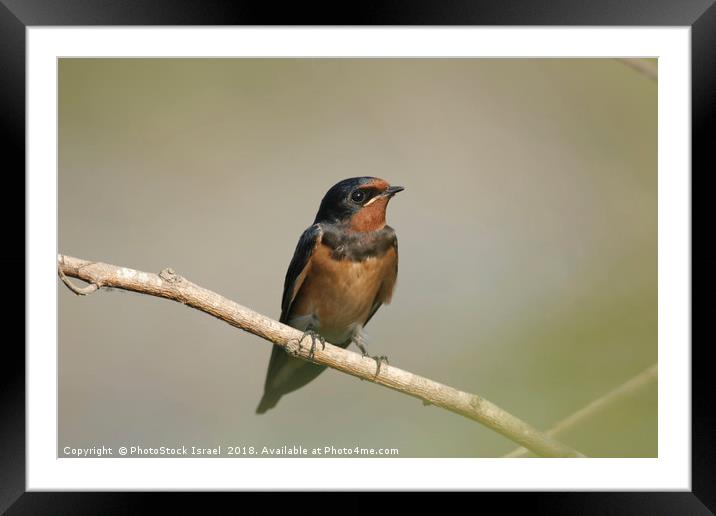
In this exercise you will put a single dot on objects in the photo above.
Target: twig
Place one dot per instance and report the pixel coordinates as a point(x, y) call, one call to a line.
point(169, 285)
point(80, 291)
point(626, 389)
point(645, 66)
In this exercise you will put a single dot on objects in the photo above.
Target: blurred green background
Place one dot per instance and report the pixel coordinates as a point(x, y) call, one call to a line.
point(528, 244)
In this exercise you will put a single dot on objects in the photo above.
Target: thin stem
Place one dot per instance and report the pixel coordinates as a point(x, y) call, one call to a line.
point(584, 414)
point(644, 66)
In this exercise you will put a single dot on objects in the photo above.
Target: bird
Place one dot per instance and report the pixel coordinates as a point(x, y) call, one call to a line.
point(344, 268)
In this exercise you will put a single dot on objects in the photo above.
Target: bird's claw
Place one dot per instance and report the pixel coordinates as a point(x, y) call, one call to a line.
point(315, 336)
point(379, 359)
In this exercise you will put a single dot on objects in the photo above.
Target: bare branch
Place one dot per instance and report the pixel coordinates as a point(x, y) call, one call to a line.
point(624, 390)
point(169, 285)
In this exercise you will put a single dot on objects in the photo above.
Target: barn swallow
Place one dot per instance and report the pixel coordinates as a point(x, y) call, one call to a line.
point(343, 269)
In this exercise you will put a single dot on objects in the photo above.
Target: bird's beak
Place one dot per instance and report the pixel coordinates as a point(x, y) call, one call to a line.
point(392, 190)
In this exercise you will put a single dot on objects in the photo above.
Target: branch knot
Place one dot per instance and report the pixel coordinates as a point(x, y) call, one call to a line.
point(169, 275)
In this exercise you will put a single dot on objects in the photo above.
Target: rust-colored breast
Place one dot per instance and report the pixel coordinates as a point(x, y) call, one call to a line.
point(341, 293)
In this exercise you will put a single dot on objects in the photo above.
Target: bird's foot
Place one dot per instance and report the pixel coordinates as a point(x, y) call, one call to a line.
point(315, 336)
point(379, 359)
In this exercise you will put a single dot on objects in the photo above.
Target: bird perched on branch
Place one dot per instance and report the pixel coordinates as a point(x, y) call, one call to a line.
point(344, 268)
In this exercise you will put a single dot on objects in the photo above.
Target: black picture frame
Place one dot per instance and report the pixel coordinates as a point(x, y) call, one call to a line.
point(17, 15)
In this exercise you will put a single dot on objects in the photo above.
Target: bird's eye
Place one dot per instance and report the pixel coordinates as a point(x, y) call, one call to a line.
point(358, 196)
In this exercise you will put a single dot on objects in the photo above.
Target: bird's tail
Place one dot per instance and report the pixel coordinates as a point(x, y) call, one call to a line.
point(268, 401)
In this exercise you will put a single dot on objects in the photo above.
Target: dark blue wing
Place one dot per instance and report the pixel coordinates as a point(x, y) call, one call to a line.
point(279, 359)
point(294, 275)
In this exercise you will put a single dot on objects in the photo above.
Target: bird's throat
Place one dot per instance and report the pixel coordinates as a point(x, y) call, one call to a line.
point(371, 217)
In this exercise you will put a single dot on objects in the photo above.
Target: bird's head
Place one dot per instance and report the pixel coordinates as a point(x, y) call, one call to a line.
point(359, 202)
